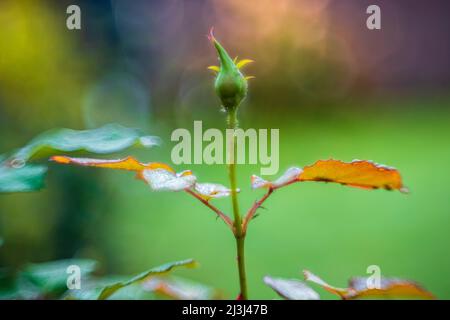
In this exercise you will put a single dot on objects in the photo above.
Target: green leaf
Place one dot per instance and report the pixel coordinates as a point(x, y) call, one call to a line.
point(18, 176)
point(91, 290)
point(291, 289)
point(109, 138)
point(23, 179)
point(50, 278)
point(109, 290)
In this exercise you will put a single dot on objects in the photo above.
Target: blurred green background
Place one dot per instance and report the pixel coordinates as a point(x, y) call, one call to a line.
point(334, 89)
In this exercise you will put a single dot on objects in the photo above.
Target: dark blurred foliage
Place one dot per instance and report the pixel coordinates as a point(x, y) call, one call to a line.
point(311, 57)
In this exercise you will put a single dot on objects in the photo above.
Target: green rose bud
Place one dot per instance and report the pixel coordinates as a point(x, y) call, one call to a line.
point(230, 85)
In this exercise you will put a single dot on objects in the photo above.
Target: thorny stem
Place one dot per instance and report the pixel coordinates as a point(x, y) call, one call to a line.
point(219, 213)
point(253, 209)
point(238, 232)
point(251, 212)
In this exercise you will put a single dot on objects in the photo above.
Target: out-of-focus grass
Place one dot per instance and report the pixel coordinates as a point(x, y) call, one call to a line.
point(333, 230)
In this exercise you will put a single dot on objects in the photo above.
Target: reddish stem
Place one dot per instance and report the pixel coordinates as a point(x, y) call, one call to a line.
point(254, 208)
point(258, 204)
point(219, 213)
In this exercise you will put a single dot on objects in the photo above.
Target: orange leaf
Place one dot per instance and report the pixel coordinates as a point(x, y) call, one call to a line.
point(358, 173)
point(128, 163)
point(388, 288)
point(159, 176)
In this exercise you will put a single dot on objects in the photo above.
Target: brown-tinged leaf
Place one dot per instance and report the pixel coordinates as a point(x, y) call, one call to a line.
point(291, 289)
point(388, 288)
point(128, 163)
point(159, 176)
point(357, 173)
